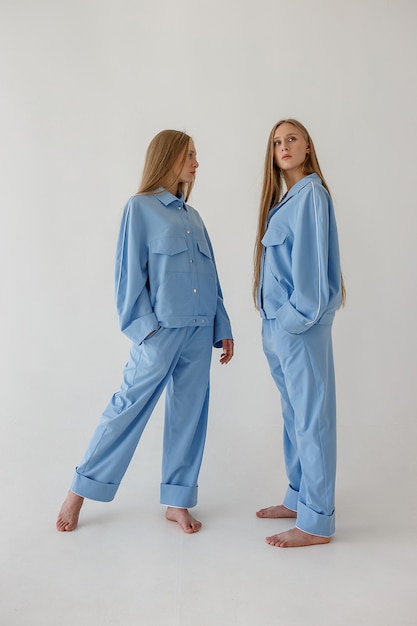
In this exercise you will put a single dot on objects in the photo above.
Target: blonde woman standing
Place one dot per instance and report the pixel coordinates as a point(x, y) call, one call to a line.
point(170, 306)
point(297, 288)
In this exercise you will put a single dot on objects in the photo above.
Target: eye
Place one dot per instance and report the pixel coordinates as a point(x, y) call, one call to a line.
point(292, 139)
point(277, 142)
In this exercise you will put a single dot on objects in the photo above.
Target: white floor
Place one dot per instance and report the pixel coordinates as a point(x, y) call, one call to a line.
point(126, 565)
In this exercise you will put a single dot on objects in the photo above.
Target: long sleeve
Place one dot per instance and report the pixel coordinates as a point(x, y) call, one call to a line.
point(136, 316)
point(310, 260)
point(222, 326)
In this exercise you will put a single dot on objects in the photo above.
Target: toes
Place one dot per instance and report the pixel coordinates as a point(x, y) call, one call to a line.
point(190, 528)
point(186, 522)
point(275, 540)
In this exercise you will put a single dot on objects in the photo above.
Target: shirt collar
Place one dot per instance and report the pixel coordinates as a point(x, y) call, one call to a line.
point(294, 190)
point(167, 198)
point(298, 186)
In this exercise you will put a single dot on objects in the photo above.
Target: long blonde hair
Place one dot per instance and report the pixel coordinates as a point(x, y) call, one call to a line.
point(272, 192)
point(164, 160)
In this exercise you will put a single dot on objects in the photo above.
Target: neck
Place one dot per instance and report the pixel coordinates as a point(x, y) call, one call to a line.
point(291, 178)
point(173, 190)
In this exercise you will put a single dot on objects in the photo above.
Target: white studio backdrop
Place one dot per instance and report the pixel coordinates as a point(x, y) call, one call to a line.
point(85, 85)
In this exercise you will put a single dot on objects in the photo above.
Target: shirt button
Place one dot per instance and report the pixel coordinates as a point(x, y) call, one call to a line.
point(188, 232)
point(203, 321)
point(195, 290)
point(191, 261)
point(179, 208)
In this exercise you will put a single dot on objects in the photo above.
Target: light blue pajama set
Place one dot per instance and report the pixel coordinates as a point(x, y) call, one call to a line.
point(166, 284)
point(299, 292)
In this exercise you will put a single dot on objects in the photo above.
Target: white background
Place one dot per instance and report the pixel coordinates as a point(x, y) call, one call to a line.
point(85, 85)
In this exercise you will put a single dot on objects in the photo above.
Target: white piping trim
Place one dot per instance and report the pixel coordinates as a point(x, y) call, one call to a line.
point(122, 253)
point(318, 258)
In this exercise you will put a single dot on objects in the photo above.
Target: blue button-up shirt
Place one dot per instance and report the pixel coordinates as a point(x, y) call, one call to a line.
point(165, 269)
point(300, 281)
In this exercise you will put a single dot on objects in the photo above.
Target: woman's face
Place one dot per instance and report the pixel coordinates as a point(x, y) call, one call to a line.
point(290, 147)
point(187, 173)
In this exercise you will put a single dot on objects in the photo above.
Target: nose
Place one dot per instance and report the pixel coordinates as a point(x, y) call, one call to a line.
point(284, 147)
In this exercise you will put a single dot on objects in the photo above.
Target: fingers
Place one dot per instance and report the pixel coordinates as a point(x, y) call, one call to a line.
point(228, 351)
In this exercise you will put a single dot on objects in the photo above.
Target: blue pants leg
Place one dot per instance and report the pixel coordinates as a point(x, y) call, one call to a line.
point(186, 412)
point(302, 368)
point(150, 367)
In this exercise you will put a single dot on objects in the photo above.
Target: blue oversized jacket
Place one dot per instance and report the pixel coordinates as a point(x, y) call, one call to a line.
point(165, 271)
point(300, 281)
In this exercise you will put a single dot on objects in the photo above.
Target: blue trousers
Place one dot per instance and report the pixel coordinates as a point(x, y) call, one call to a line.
point(302, 368)
point(175, 358)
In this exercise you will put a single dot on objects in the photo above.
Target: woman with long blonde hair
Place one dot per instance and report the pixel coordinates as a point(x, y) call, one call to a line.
point(170, 306)
point(297, 288)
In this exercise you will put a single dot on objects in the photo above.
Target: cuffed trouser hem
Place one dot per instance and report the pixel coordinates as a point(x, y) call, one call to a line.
point(92, 489)
point(314, 523)
point(309, 521)
point(178, 496)
point(291, 499)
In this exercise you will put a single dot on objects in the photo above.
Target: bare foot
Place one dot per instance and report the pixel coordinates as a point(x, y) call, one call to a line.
point(69, 513)
point(276, 512)
point(295, 538)
point(182, 516)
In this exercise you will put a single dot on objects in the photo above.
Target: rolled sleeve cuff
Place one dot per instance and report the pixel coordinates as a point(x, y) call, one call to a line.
point(141, 327)
point(222, 330)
